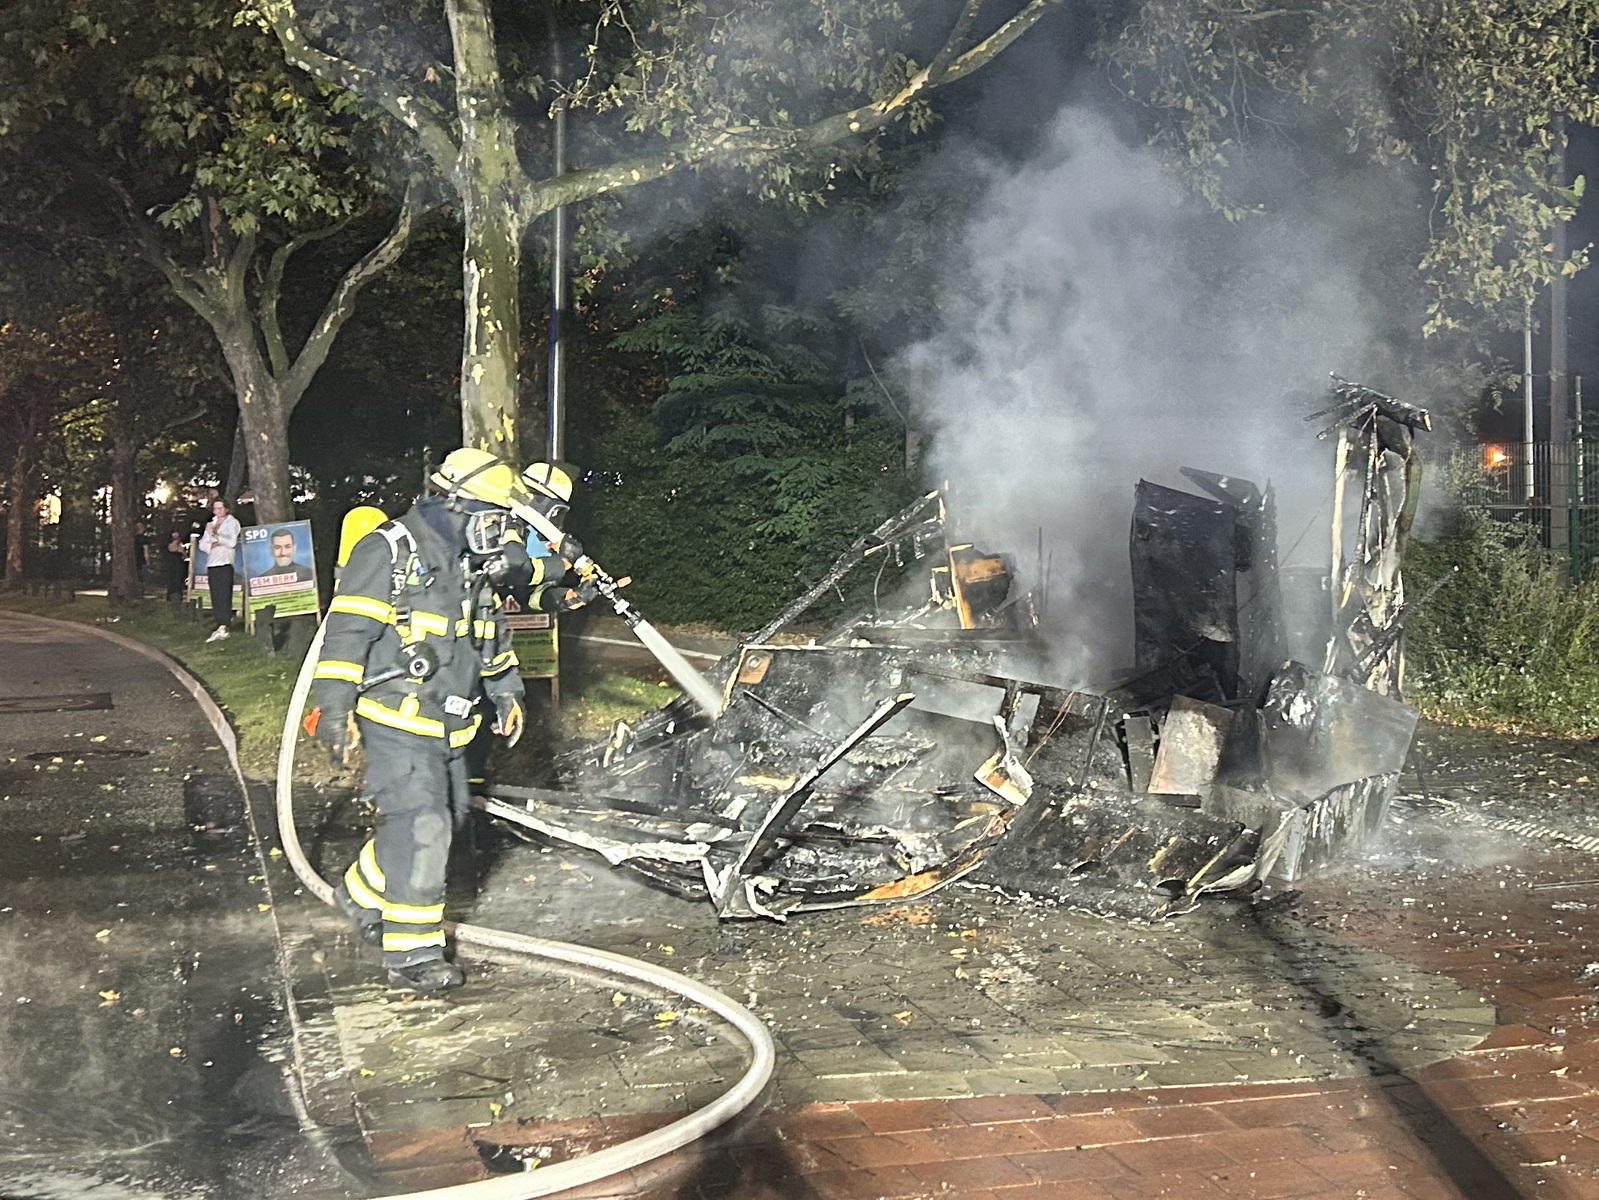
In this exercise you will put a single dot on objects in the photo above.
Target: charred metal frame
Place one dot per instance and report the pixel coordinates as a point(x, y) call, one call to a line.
point(1219, 764)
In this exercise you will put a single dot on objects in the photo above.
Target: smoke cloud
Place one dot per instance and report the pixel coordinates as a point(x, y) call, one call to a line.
point(1102, 327)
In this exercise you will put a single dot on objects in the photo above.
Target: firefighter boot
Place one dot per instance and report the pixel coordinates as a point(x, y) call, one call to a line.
point(430, 975)
point(368, 923)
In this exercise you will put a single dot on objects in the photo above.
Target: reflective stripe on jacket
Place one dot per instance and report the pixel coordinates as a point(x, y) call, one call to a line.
point(396, 590)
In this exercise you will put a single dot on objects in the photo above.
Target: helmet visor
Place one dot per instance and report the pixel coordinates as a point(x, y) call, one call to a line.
point(485, 531)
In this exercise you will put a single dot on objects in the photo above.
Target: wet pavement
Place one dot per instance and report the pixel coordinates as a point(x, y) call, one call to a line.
point(1339, 1043)
point(142, 1032)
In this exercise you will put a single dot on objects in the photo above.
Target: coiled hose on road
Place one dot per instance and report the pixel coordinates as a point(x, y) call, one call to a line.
point(546, 1181)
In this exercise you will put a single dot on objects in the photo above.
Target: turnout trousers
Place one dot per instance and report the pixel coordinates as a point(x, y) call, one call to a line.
point(419, 786)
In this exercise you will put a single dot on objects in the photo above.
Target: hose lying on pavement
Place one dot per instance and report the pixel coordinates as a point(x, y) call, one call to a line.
point(614, 1159)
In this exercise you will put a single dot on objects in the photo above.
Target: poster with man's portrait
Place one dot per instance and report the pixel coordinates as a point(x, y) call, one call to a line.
point(279, 569)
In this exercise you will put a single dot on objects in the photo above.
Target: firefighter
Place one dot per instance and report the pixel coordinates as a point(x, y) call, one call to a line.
point(411, 653)
point(555, 589)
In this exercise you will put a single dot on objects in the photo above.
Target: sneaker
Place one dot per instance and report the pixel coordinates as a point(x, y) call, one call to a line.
point(222, 632)
point(431, 975)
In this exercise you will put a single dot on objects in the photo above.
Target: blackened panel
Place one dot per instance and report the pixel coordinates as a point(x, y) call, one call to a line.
point(1260, 605)
point(1322, 732)
point(1185, 604)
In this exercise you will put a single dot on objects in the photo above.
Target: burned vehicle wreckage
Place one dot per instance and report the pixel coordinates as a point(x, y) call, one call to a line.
point(1259, 737)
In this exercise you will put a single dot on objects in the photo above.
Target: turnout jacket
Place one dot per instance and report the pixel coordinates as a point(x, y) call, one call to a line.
point(405, 584)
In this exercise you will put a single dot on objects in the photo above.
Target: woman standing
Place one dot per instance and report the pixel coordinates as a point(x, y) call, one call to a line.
point(217, 543)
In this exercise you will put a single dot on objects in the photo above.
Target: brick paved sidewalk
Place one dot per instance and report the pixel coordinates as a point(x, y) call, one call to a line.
point(1515, 1116)
point(1518, 1116)
point(1495, 1123)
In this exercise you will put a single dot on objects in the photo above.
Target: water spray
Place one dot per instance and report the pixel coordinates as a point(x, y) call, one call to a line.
point(698, 688)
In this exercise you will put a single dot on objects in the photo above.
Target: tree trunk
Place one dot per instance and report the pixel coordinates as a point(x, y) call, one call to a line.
point(492, 183)
point(264, 418)
point(237, 474)
point(125, 586)
point(21, 496)
point(493, 316)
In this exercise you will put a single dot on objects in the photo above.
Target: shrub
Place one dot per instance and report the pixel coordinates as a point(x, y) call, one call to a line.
point(1507, 637)
point(753, 470)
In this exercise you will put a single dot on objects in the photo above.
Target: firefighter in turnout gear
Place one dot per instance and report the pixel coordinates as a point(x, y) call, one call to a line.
point(411, 654)
point(556, 588)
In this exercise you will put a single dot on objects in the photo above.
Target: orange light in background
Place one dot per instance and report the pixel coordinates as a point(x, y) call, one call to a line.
point(1494, 456)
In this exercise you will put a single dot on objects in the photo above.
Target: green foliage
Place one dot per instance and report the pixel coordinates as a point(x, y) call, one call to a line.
point(753, 470)
point(1467, 92)
point(1505, 638)
point(181, 106)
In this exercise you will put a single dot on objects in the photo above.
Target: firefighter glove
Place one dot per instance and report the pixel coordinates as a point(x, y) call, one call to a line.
point(511, 718)
point(336, 730)
point(570, 549)
point(586, 592)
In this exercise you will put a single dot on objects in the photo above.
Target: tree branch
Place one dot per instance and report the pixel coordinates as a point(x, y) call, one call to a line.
point(957, 35)
point(985, 51)
point(419, 114)
point(189, 286)
point(342, 303)
point(272, 291)
point(185, 419)
point(231, 275)
point(546, 194)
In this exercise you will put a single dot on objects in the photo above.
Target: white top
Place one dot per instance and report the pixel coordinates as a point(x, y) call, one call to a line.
point(218, 541)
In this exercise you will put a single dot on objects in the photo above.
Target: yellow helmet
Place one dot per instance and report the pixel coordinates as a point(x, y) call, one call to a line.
point(473, 474)
point(549, 479)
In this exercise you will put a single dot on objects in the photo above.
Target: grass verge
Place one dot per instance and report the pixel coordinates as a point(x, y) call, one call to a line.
point(253, 687)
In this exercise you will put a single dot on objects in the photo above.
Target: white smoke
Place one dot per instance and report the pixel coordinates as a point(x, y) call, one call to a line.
point(1102, 327)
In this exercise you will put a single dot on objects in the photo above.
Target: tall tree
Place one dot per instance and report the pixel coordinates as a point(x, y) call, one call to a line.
point(222, 163)
point(47, 367)
point(786, 90)
point(154, 381)
point(1469, 91)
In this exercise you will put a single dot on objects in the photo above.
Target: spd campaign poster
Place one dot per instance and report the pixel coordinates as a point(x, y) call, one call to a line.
point(279, 569)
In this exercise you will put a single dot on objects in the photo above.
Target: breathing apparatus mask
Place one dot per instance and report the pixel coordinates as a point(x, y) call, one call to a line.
point(496, 544)
point(486, 530)
point(481, 488)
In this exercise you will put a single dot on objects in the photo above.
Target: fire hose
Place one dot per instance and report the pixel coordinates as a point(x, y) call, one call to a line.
point(613, 1159)
point(701, 690)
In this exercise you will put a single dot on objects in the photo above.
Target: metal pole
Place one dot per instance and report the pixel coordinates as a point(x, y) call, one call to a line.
point(1559, 402)
point(555, 407)
point(1581, 455)
point(1528, 486)
point(1581, 537)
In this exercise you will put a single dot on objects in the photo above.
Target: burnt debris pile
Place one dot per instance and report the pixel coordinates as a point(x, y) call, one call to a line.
point(1260, 735)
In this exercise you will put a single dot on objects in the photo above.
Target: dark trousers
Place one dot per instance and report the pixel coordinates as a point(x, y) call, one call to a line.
point(419, 787)
point(220, 582)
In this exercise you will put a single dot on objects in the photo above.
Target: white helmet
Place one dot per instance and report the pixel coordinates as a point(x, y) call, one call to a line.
point(550, 488)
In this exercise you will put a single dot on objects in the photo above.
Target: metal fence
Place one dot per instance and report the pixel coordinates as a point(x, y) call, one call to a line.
point(75, 547)
point(1552, 488)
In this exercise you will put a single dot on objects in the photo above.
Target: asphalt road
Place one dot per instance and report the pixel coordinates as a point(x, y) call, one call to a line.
point(141, 1014)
